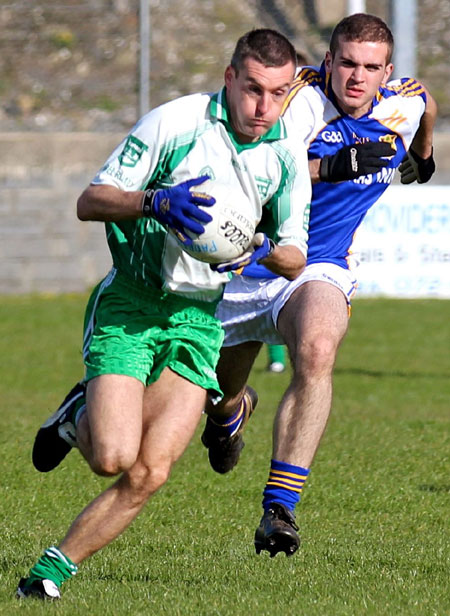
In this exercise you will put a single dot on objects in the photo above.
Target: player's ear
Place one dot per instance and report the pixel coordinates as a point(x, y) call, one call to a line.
point(230, 74)
point(328, 61)
point(387, 72)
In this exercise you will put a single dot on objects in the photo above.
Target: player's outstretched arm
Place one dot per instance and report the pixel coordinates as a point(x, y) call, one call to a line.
point(286, 260)
point(418, 164)
point(177, 207)
point(422, 144)
point(108, 204)
point(351, 161)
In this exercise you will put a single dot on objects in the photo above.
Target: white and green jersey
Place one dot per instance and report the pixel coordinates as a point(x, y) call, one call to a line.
point(186, 138)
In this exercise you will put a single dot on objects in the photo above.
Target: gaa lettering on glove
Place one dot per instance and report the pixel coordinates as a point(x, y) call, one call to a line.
point(354, 162)
point(164, 206)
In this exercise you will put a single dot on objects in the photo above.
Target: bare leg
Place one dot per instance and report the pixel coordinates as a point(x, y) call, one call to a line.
point(172, 411)
point(313, 323)
point(233, 370)
point(224, 427)
point(109, 433)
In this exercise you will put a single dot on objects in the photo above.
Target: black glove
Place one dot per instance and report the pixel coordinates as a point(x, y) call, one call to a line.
point(413, 167)
point(352, 161)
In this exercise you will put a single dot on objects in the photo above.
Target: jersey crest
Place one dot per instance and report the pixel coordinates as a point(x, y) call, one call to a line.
point(132, 151)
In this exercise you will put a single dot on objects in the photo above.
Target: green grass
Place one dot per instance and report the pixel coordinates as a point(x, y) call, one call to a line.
point(374, 516)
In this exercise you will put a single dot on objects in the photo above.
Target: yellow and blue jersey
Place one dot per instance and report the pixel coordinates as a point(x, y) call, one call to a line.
point(313, 114)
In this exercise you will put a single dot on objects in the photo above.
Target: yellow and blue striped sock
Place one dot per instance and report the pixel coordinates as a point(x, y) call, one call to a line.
point(284, 485)
point(227, 426)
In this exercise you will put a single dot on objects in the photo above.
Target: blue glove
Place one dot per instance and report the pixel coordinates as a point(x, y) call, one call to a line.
point(260, 248)
point(178, 208)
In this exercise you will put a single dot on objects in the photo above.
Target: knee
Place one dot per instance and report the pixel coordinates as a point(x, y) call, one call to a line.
point(316, 355)
point(111, 463)
point(143, 481)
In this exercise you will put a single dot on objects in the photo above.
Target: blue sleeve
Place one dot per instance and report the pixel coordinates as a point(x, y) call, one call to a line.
point(256, 270)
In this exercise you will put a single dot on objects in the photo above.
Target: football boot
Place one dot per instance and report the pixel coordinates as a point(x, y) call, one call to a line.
point(277, 531)
point(40, 589)
point(57, 436)
point(224, 451)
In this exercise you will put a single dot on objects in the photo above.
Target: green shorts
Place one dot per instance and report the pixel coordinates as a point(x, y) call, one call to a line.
point(136, 330)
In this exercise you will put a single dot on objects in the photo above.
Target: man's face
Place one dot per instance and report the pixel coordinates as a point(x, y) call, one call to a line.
point(255, 96)
point(357, 71)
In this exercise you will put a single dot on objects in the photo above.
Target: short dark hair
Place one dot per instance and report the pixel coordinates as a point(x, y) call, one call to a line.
point(269, 47)
point(362, 27)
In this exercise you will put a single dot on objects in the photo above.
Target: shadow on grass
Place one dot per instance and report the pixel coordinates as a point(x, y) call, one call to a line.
point(392, 373)
point(371, 373)
point(434, 488)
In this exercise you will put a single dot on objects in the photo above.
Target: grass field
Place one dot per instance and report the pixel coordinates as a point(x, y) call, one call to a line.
point(375, 515)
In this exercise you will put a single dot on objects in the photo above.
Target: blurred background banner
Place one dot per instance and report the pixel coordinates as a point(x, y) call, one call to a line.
point(403, 244)
point(75, 75)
